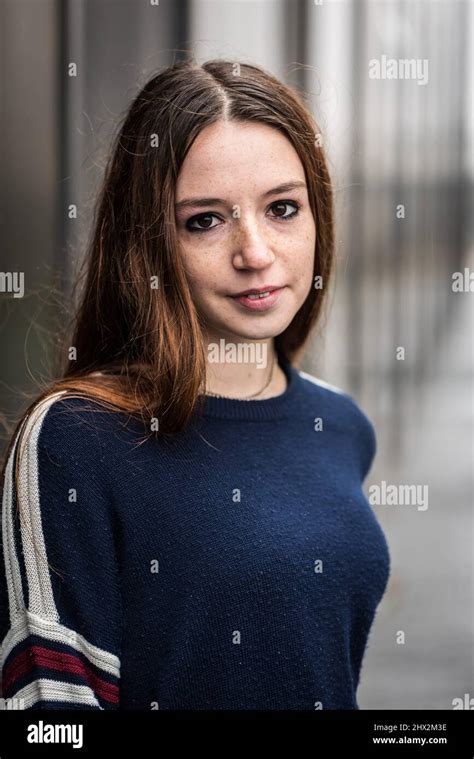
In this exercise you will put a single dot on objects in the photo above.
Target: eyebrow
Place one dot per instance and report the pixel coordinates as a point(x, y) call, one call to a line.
point(205, 202)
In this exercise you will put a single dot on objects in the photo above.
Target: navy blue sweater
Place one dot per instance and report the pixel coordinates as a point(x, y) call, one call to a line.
point(238, 566)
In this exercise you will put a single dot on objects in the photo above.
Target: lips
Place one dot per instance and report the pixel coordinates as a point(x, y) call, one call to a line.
point(259, 300)
point(257, 290)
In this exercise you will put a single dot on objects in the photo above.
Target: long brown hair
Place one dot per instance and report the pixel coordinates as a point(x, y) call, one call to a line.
point(136, 323)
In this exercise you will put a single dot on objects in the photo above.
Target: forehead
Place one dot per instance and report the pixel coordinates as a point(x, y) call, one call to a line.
point(238, 154)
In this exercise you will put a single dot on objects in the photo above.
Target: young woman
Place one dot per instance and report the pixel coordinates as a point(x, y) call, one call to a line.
point(183, 519)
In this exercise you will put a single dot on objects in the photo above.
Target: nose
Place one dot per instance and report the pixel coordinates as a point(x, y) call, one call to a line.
point(252, 249)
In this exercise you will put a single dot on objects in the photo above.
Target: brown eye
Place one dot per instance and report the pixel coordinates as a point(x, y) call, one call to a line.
point(280, 209)
point(203, 220)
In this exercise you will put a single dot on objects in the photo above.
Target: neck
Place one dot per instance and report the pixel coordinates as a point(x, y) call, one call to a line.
point(243, 368)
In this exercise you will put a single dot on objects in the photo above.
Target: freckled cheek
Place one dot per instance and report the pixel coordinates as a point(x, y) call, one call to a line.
point(300, 249)
point(300, 266)
point(309, 243)
point(199, 271)
point(194, 268)
point(199, 279)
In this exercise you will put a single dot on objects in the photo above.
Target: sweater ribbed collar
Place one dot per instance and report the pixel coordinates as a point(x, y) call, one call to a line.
point(278, 407)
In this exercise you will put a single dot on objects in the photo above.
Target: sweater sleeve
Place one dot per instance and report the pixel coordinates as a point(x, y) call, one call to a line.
point(60, 600)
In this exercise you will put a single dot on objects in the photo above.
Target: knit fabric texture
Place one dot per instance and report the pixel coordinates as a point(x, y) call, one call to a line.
point(238, 565)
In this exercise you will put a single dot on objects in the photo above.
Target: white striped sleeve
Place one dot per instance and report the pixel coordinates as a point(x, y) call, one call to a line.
point(60, 603)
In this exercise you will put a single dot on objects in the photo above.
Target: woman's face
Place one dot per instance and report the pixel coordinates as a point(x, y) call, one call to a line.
point(239, 229)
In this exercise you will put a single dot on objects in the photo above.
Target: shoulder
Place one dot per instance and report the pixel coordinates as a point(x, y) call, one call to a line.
point(342, 408)
point(67, 428)
point(331, 395)
point(321, 384)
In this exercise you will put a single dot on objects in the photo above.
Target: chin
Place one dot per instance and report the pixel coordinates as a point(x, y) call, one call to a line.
point(264, 330)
